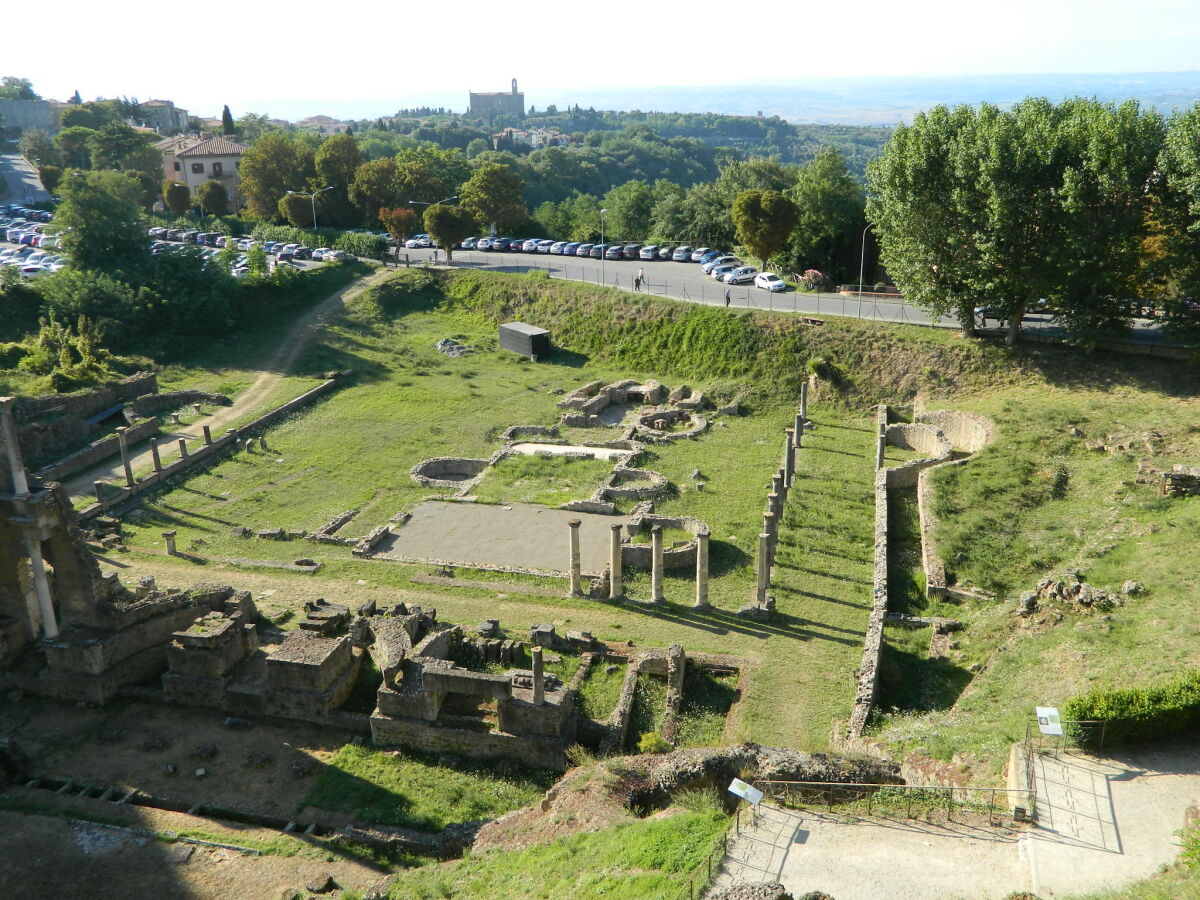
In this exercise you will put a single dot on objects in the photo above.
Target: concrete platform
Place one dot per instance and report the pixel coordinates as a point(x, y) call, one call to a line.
point(519, 535)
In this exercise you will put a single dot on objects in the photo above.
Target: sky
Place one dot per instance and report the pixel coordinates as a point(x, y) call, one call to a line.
point(274, 58)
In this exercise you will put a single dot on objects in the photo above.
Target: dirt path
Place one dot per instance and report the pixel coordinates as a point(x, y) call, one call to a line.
point(282, 357)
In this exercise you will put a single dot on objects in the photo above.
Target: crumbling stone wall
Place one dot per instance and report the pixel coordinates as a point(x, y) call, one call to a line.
point(868, 670)
point(153, 404)
point(97, 451)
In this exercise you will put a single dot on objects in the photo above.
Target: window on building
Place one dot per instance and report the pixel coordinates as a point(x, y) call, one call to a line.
point(178, 167)
point(198, 168)
point(216, 170)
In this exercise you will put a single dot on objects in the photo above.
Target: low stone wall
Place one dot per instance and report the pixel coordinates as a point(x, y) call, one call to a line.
point(82, 404)
point(966, 431)
point(615, 486)
point(153, 404)
point(96, 452)
point(433, 472)
point(922, 439)
point(205, 454)
point(640, 556)
point(647, 430)
point(515, 432)
point(546, 753)
point(868, 670)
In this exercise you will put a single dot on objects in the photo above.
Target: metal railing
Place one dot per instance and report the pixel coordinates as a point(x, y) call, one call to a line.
point(898, 800)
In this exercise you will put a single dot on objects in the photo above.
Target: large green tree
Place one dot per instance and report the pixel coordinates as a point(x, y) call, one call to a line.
point(1178, 212)
point(177, 196)
point(374, 188)
point(101, 221)
point(337, 161)
point(273, 165)
point(227, 123)
point(14, 88)
point(630, 210)
point(117, 146)
point(400, 221)
point(448, 225)
point(831, 219)
point(75, 144)
point(764, 221)
point(38, 147)
point(213, 198)
point(296, 209)
point(494, 195)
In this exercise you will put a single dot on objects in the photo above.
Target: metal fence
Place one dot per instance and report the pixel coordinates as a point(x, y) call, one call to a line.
point(898, 800)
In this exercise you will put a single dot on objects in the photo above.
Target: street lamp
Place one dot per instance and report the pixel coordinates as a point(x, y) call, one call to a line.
point(313, 198)
point(603, 249)
point(423, 203)
point(862, 256)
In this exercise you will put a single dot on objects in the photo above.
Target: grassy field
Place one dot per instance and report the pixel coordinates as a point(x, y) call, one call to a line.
point(1038, 500)
point(601, 689)
point(706, 702)
point(548, 480)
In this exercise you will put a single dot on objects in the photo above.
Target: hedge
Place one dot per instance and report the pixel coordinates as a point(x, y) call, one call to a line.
point(1138, 714)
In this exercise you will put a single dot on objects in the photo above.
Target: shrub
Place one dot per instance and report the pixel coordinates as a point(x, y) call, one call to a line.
point(653, 742)
point(1137, 714)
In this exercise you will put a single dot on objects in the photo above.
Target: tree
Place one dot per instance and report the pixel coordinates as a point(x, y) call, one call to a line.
point(50, 177)
point(117, 146)
point(494, 196)
point(213, 198)
point(297, 209)
point(14, 88)
point(148, 187)
point(101, 221)
point(374, 188)
point(337, 161)
point(38, 147)
point(1178, 209)
point(831, 217)
point(252, 126)
point(764, 221)
point(94, 114)
point(449, 225)
point(227, 125)
point(75, 143)
point(177, 197)
point(630, 210)
point(400, 221)
point(273, 165)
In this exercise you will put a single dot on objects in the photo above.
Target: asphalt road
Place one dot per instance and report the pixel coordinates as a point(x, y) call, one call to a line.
point(24, 185)
point(687, 282)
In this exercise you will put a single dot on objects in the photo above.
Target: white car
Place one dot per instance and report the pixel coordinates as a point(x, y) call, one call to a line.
point(719, 272)
point(31, 272)
point(744, 275)
point(769, 281)
point(338, 256)
point(246, 244)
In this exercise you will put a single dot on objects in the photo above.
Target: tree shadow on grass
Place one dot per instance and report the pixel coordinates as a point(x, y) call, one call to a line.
point(912, 681)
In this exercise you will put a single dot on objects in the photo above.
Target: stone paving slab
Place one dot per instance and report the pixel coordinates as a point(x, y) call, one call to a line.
point(518, 535)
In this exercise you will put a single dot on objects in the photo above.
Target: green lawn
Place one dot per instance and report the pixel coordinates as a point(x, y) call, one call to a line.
point(706, 702)
point(548, 480)
point(601, 689)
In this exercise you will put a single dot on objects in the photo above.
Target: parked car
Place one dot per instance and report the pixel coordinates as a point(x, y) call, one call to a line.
point(557, 247)
point(530, 245)
point(719, 272)
point(725, 260)
point(630, 251)
point(29, 273)
point(484, 243)
point(769, 281)
point(682, 254)
point(597, 251)
point(584, 250)
point(544, 246)
point(569, 249)
point(246, 243)
point(338, 256)
point(699, 252)
point(469, 243)
point(744, 275)
point(318, 255)
point(650, 251)
point(502, 243)
point(424, 241)
point(302, 253)
point(613, 251)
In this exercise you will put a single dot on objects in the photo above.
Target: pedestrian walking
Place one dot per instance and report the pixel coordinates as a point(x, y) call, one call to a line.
point(642, 275)
point(637, 282)
point(728, 297)
point(435, 255)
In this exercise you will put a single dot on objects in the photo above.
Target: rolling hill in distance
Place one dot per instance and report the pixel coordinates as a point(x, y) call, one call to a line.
point(843, 101)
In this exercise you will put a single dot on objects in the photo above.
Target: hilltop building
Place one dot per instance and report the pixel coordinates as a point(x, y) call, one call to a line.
point(163, 116)
point(193, 161)
point(487, 106)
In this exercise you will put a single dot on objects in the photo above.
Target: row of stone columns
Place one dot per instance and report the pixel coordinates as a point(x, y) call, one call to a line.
point(781, 484)
point(155, 455)
point(616, 589)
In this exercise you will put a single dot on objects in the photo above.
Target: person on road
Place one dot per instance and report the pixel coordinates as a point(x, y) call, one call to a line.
point(728, 297)
point(637, 282)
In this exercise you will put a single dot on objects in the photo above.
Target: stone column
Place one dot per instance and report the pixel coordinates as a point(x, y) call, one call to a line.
point(879, 448)
point(804, 399)
point(576, 585)
point(789, 456)
point(656, 564)
point(121, 439)
point(99, 488)
point(207, 435)
point(800, 436)
point(154, 454)
point(8, 434)
point(771, 529)
point(764, 567)
point(615, 591)
point(539, 679)
point(798, 425)
point(779, 487)
point(182, 448)
point(169, 537)
point(41, 586)
point(701, 570)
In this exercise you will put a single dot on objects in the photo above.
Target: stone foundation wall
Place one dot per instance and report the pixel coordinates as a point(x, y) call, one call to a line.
point(153, 404)
point(83, 404)
point(921, 439)
point(541, 752)
point(868, 670)
point(966, 431)
point(97, 451)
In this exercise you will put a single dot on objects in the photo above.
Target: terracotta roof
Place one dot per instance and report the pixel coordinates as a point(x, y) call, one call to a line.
point(177, 142)
point(214, 146)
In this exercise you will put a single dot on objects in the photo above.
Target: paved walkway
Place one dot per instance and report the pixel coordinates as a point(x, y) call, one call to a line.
point(1102, 824)
point(520, 535)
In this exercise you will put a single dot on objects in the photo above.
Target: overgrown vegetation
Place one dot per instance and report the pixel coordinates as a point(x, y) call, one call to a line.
point(1135, 715)
point(647, 713)
point(601, 689)
point(707, 699)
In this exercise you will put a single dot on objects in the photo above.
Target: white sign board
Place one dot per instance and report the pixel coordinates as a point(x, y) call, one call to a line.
point(1049, 721)
point(750, 794)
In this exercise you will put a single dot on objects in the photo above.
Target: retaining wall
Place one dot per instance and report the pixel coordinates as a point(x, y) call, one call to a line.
point(868, 670)
point(96, 452)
